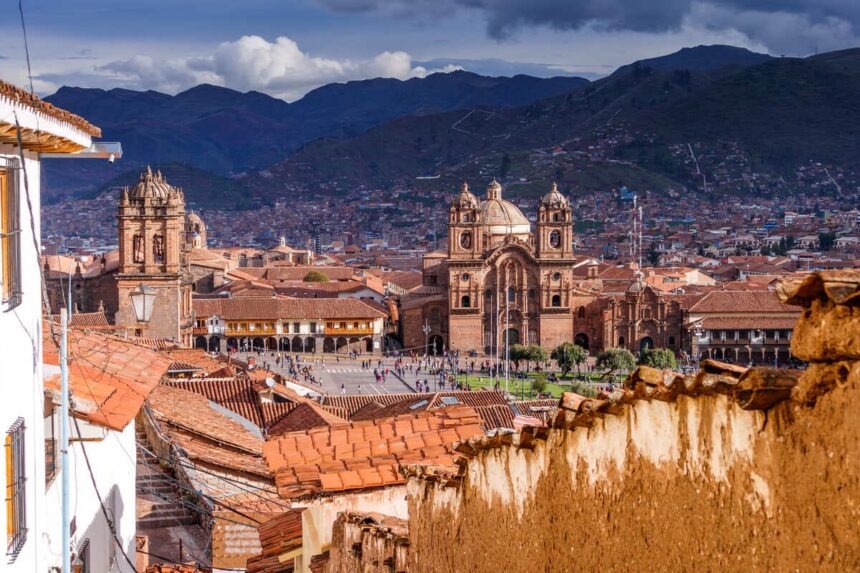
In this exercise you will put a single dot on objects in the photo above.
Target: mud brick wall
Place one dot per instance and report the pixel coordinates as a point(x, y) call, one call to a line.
point(672, 480)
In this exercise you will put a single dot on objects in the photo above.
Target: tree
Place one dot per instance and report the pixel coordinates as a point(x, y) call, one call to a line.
point(567, 355)
point(316, 277)
point(505, 167)
point(826, 240)
point(658, 358)
point(539, 382)
point(536, 354)
point(615, 359)
point(517, 353)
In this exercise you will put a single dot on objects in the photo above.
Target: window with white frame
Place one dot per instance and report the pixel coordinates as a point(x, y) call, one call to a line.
point(10, 233)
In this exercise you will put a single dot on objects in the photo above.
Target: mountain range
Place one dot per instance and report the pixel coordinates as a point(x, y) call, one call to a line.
point(781, 111)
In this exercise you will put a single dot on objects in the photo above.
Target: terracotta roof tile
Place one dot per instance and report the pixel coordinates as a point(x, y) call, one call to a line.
point(108, 376)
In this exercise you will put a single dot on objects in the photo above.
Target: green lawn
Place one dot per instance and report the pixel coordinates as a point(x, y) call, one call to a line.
point(522, 388)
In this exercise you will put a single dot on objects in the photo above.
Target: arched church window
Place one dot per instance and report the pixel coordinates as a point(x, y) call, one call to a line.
point(466, 239)
point(580, 312)
point(555, 239)
point(138, 254)
point(621, 342)
point(512, 294)
point(556, 276)
point(555, 217)
point(466, 218)
point(532, 294)
point(465, 301)
point(158, 248)
point(556, 300)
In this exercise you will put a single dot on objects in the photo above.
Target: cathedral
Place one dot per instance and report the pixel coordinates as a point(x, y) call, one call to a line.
point(502, 280)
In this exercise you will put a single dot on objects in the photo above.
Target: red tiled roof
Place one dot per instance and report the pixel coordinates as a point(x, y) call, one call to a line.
point(91, 320)
point(278, 535)
point(366, 454)
point(483, 402)
point(752, 301)
point(304, 417)
point(240, 394)
point(109, 377)
point(543, 410)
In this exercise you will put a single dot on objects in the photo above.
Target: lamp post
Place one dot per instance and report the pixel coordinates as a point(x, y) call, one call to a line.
point(426, 330)
point(142, 300)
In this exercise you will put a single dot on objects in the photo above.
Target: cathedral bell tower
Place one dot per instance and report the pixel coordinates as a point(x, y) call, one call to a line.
point(554, 226)
point(151, 225)
point(465, 229)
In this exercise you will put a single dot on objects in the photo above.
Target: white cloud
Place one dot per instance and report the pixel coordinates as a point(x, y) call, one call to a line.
point(279, 68)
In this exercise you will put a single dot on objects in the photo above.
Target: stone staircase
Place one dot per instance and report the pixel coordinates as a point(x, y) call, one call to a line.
point(159, 500)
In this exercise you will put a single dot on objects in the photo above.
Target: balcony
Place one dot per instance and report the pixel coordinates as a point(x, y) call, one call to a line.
point(202, 330)
point(250, 332)
point(362, 331)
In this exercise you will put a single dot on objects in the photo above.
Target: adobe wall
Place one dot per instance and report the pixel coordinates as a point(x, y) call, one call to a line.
point(694, 484)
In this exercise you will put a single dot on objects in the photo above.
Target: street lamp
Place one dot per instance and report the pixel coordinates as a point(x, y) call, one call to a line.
point(426, 330)
point(142, 299)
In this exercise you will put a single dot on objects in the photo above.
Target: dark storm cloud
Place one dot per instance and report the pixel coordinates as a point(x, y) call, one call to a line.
point(791, 25)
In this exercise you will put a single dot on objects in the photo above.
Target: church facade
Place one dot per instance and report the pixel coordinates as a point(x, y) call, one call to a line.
point(504, 280)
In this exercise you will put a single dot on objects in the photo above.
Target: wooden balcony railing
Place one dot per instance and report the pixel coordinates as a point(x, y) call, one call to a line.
point(361, 331)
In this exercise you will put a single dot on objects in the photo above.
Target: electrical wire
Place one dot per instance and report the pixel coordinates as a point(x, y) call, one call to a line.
point(110, 522)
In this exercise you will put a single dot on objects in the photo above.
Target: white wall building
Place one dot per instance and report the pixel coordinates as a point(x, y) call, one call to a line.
point(41, 129)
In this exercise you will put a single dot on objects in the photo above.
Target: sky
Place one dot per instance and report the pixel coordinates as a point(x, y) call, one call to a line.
point(288, 47)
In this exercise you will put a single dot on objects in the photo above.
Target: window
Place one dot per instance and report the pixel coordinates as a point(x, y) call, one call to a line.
point(10, 237)
point(672, 341)
point(137, 249)
point(555, 239)
point(512, 294)
point(158, 248)
point(466, 240)
point(532, 294)
point(556, 300)
point(355, 324)
point(16, 479)
point(434, 315)
point(465, 301)
point(343, 325)
point(50, 441)
point(297, 327)
point(620, 341)
point(313, 328)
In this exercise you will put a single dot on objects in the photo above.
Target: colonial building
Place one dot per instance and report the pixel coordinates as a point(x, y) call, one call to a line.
point(288, 324)
point(152, 234)
point(154, 240)
point(503, 281)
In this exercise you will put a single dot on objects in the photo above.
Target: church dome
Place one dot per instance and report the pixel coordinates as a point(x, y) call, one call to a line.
point(502, 217)
point(554, 198)
point(151, 185)
point(466, 198)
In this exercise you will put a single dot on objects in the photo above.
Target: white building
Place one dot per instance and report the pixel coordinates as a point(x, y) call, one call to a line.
point(41, 129)
point(104, 402)
point(109, 379)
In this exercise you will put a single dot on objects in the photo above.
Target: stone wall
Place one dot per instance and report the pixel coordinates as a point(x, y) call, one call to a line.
point(725, 471)
point(369, 543)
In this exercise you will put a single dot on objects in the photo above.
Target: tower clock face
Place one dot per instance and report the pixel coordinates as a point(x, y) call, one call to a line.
point(466, 239)
point(555, 239)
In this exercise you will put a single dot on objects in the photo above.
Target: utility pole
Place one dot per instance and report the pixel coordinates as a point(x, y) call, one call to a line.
point(64, 438)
